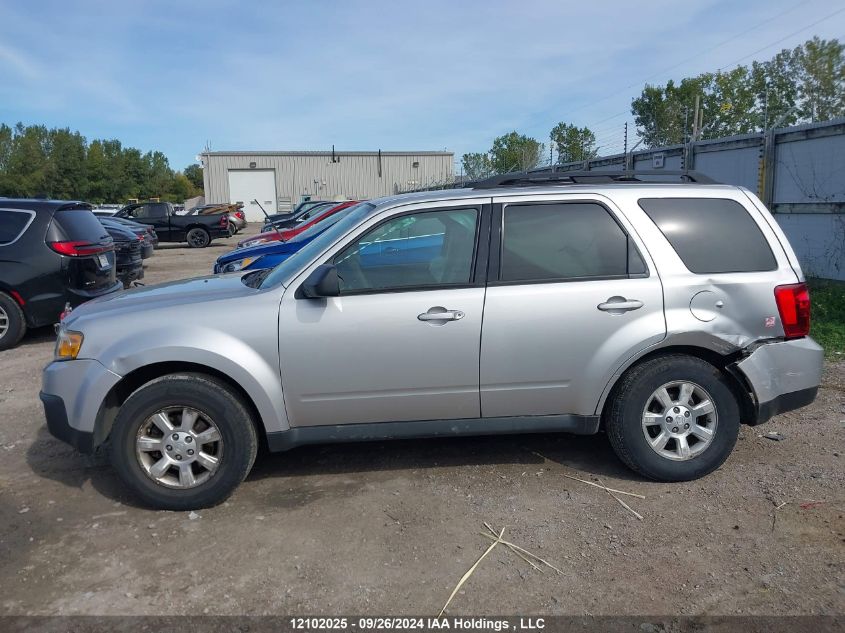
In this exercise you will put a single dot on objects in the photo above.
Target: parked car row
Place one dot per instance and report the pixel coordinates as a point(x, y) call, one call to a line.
point(52, 254)
point(198, 230)
point(664, 314)
point(133, 244)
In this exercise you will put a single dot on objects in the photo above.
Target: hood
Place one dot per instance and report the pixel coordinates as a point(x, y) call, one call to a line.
point(175, 293)
point(270, 248)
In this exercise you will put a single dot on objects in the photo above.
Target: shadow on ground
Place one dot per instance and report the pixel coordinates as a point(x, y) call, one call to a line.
point(592, 455)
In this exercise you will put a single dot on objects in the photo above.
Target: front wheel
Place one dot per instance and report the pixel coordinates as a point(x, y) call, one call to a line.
point(673, 418)
point(198, 238)
point(183, 442)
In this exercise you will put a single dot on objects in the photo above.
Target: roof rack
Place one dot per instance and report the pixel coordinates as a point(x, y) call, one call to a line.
point(554, 177)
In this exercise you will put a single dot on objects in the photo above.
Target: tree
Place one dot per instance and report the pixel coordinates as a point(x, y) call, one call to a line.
point(476, 165)
point(806, 84)
point(573, 144)
point(515, 152)
point(821, 79)
point(66, 168)
point(193, 173)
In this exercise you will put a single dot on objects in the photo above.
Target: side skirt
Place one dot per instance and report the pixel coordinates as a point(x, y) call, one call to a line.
point(377, 431)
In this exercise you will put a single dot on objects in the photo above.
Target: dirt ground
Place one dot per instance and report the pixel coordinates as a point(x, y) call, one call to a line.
point(389, 528)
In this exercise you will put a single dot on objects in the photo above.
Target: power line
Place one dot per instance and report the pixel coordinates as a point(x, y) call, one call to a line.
point(696, 56)
point(760, 50)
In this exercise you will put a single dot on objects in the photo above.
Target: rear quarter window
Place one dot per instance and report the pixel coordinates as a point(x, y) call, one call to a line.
point(13, 223)
point(711, 235)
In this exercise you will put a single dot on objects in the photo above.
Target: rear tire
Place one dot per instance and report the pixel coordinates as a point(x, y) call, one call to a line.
point(651, 406)
point(195, 419)
point(12, 322)
point(198, 237)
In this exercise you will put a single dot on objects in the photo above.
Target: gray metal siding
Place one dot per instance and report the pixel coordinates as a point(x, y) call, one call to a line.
point(354, 175)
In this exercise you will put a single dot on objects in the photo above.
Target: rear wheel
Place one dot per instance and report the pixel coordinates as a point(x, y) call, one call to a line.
point(12, 322)
point(232, 229)
point(183, 441)
point(673, 418)
point(198, 237)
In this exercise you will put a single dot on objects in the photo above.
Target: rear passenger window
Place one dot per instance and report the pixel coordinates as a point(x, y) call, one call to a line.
point(80, 225)
point(565, 241)
point(13, 224)
point(711, 235)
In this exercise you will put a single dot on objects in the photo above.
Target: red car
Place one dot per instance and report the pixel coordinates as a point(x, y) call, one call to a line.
point(286, 234)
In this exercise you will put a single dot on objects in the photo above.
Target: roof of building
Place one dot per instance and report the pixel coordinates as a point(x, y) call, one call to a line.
point(325, 153)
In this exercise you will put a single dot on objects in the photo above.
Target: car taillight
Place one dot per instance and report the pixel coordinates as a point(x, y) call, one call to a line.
point(224, 221)
point(794, 307)
point(78, 248)
point(240, 214)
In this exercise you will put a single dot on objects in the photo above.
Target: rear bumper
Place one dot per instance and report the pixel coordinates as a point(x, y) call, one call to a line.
point(783, 376)
point(72, 393)
point(45, 308)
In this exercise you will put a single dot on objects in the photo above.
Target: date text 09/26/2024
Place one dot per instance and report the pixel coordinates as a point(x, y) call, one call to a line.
point(415, 624)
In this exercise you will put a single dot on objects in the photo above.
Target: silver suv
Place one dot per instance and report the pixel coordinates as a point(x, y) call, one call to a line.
point(664, 314)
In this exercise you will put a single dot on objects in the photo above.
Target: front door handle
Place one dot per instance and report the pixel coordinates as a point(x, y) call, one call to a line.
point(619, 305)
point(439, 313)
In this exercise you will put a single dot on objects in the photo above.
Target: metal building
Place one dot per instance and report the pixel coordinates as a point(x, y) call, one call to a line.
point(279, 180)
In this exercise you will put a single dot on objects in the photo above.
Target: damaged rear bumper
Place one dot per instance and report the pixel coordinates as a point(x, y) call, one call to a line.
point(782, 376)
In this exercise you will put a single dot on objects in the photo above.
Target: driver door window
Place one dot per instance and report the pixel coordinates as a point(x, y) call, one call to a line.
point(420, 250)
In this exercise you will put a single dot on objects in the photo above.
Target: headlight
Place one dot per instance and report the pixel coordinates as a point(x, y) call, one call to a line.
point(240, 264)
point(68, 343)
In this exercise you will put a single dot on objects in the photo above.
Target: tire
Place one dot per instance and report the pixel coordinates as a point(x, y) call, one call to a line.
point(213, 400)
point(633, 414)
point(198, 237)
point(233, 230)
point(12, 322)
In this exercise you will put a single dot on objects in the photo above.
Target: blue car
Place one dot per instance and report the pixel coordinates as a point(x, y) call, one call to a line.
point(399, 246)
point(271, 254)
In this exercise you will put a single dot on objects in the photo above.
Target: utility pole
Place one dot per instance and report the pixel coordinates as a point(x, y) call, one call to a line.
point(625, 151)
point(695, 118)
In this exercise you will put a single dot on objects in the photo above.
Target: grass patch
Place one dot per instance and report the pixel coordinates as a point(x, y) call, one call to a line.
point(828, 316)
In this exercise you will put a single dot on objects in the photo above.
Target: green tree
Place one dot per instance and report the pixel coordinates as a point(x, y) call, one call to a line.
point(66, 168)
point(29, 162)
point(573, 144)
point(515, 152)
point(822, 79)
point(193, 173)
point(476, 165)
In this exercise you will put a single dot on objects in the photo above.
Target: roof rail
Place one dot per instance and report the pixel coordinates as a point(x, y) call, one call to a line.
point(554, 177)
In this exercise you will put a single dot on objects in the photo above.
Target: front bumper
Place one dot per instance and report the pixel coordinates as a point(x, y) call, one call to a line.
point(72, 393)
point(783, 376)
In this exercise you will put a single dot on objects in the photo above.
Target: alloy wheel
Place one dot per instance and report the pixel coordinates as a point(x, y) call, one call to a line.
point(179, 447)
point(4, 322)
point(679, 420)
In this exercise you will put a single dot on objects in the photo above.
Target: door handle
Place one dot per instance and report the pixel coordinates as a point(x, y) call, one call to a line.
point(438, 313)
point(619, 305)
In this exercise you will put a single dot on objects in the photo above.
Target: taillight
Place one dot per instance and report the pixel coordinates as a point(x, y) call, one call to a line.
point(794, 306)
point(240, 214)
point(78, 248)
point(224, 221)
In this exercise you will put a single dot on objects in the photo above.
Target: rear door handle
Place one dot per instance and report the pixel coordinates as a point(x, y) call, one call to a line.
point(438, 313)
point(619, 305)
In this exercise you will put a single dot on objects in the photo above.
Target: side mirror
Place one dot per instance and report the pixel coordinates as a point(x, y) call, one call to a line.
point(323, 282)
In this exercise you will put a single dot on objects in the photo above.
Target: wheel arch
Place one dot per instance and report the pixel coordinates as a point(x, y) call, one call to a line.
point(141, 376)
point(722, 361)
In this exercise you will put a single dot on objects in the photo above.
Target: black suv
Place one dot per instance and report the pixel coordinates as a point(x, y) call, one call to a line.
point(52, 253)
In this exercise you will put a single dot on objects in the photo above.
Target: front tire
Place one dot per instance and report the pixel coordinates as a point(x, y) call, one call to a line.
point(198, 237)
point(183, 442)
point(12, 322)
point(673, 418)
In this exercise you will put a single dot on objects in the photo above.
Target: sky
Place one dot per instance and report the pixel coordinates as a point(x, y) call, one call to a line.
point(365, 75)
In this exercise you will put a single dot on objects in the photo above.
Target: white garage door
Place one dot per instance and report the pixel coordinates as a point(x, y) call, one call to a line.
point(253, 184)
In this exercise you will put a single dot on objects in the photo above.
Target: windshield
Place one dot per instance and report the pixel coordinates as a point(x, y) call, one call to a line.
point(348, 219)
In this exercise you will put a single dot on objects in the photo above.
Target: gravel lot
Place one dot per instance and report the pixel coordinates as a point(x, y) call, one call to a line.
point(391, 527)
